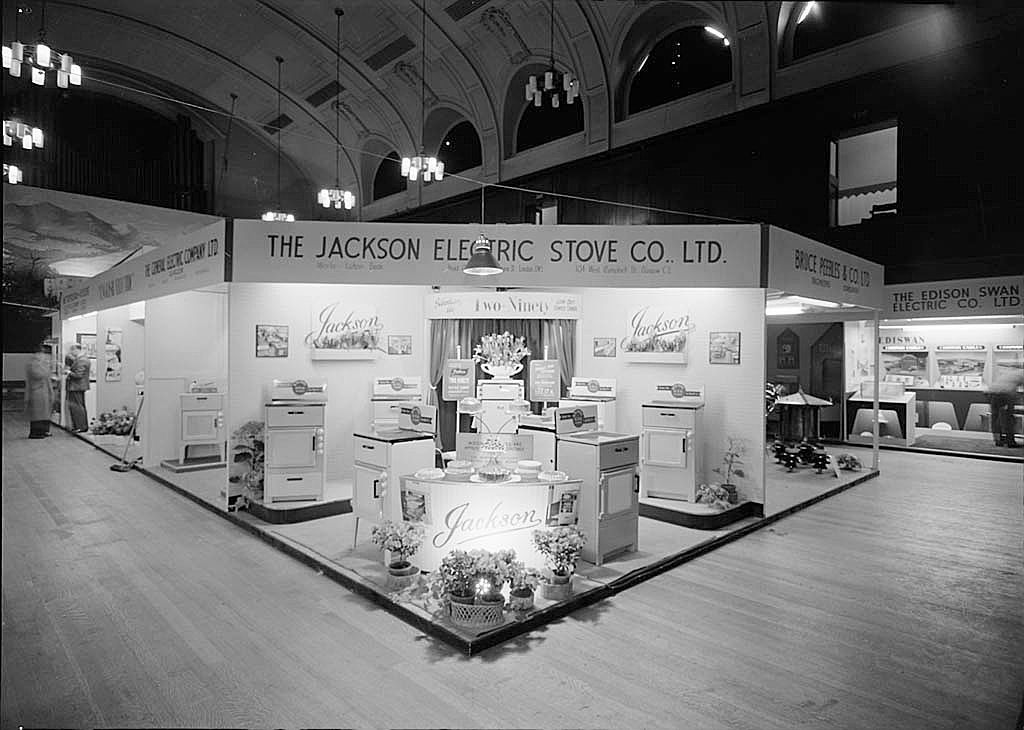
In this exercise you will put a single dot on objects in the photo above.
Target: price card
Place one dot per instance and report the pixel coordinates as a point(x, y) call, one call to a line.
point(545, 381)
point(459, 380)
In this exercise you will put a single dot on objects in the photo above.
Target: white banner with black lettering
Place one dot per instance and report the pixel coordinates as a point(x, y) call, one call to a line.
point(959, 298)
point(531, 255)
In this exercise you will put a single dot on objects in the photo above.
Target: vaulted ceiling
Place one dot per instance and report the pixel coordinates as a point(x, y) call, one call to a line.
point(478, 53)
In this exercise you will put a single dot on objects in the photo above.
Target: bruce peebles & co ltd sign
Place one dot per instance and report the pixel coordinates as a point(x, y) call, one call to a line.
point(531, 255)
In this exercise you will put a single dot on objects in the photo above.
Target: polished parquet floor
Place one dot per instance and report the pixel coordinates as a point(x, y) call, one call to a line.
point(896, 604)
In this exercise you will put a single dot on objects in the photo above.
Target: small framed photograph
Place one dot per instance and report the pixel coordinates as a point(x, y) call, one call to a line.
point(271, 340)
point(88, 342)
point(724, 348)
point(604, 347)
point(399, 344)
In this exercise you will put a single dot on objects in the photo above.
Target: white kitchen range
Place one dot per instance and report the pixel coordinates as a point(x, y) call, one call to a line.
point(295, 441)
point(597, 391)
point(388, 393)
point(670, 460)
point(609, 505)
point(382, 456)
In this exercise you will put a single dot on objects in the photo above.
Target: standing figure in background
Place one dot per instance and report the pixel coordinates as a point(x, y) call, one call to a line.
point(77, 383)
point(1002, 396)
point(39, 393)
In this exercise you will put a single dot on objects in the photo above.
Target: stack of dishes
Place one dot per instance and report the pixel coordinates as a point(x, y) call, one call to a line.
point(459, 468)
point(528, 469)
point(494, 472)
point(553, 476)
point(429, 473)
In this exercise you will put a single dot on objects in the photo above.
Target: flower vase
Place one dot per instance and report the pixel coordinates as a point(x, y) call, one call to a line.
point(478, 613)
point(501, 372)
point(520, 599)
point(402, 574)
point(558, 588)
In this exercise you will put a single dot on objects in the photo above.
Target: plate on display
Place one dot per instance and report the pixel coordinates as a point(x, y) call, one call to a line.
point(477, 479)
point(430, 473)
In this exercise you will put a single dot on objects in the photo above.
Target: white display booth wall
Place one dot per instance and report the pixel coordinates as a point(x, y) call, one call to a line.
point(734, 393)
point(394, 317)
point(187, 340)
point(124, 328)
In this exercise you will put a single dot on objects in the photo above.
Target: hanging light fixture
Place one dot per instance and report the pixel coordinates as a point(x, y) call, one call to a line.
point(421, 164)
point(553, 84)
point(717, 34)
point(481, 256)
point(277, 215)
point(336, 196)
point(12, 174)
point(30, 137)
point(39, 59)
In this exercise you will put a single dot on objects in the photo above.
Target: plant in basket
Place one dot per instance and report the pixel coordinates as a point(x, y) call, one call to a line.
point(561, 548)
point(713, 495)
point(501, 355)
point(453, 579)
point(491, 572)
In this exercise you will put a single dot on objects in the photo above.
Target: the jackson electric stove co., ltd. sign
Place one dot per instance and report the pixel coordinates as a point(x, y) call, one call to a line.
point(530, 255)
point(467, 516)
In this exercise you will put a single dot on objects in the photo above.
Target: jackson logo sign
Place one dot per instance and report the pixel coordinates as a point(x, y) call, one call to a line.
point(462, 525)
point(338, 329)
point(657, 331)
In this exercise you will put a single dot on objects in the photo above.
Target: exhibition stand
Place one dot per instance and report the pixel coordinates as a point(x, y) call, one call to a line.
point(941, 346)
point(177, 373)
point(325, 331)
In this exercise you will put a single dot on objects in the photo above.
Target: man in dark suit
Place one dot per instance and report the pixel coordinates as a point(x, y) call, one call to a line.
point(76, 385)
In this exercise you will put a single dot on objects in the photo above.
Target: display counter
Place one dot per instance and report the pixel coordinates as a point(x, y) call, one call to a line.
point(464, 514)
point(897, 415)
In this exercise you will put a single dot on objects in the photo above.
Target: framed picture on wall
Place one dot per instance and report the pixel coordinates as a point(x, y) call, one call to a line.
point(399, 344)
point(724, 348)
point(88, 342)
point(271, 340)
point(604, 347)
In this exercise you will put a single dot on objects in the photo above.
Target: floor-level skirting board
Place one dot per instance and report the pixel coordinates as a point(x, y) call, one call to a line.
point(440, 630)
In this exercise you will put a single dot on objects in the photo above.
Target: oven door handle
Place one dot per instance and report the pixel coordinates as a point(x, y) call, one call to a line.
point(602, 486)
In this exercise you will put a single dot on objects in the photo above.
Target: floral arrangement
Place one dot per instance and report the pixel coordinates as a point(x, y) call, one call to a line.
point(848, 462)
point(491, 570)
point(522, 579)
point(561, 547)
point(248, 453)
point(713, 495)
point(402, 539)
point(455, 575)
point(502, 350)
point(731, 461)
point(114, 422)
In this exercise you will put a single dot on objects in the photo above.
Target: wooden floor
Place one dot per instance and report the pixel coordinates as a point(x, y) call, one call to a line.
point(896, 604)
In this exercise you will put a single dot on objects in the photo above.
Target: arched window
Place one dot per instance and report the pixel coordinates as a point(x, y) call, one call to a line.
point(684, 62)
point(389, 179)
point(460, 148)
point(818, 26)
point(540, 124)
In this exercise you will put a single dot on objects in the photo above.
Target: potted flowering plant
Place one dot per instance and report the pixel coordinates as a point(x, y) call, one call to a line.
point(523, 583)
point(402, 540)
point(561, 548)
point(247, 458)
point(491, 572)
point(500, 356)
point(453, 579)
point(732, 462)
point(713, 495)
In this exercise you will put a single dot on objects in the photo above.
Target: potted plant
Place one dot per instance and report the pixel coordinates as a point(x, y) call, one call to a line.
point(453, 579)
point(731, 467)
point(714, 495)
point(561, 548)
point(248, 459)
point(523, 583)
point(402, 540)
point(491, 572)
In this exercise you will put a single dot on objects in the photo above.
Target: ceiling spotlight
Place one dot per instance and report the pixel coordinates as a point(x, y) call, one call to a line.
point(429, 167)
point(336, 196)
point(553, 84)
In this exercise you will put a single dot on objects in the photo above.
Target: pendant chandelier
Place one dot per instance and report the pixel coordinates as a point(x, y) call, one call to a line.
point(553, 84)
point(277, 215)
point(421, 164)
point(30, 137)
point(39, 59)
point(336, 196)
point(481, 255)
point(12, 174)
